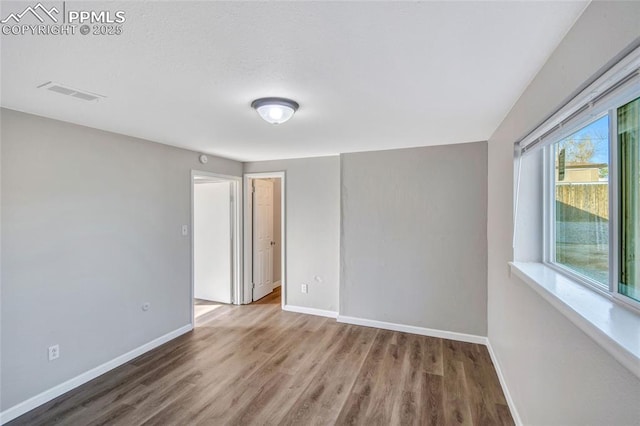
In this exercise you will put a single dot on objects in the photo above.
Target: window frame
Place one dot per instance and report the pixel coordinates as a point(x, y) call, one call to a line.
point(626, 300)
point(549, 211)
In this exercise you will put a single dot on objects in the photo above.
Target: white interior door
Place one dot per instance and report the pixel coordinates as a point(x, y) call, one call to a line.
point(212, 241)
point(262, 238)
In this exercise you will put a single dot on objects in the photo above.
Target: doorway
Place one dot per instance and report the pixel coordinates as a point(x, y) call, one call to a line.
point(265, 272)
point(215, 242)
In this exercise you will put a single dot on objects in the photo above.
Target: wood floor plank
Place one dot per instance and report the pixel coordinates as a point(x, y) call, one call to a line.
point(407, 408)
point(457, 404)
point(504, 415)
point(490, 377)
point(259, 365)
point(112, 415)
point(387, 387)
point(433, 361)
point(357, 404)
point(432, 410)
point(481, 395)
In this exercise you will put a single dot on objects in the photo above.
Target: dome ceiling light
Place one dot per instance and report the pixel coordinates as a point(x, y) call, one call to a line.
point(275, 110)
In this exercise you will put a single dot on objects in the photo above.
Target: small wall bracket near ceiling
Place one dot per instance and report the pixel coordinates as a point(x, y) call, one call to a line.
point(275, 110)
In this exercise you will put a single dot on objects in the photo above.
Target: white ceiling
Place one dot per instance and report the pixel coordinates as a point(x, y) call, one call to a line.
point(368, 76)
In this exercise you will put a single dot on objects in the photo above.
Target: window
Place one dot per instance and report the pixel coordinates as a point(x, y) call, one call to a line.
point(581, 216)
point(591, 207)
point(628, 117)
point(583, 230)
point(577, 183)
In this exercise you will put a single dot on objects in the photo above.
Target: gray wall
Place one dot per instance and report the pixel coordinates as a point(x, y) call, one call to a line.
point(556, 374)
point(413, 244)
point(312, 197)
point(91, 226)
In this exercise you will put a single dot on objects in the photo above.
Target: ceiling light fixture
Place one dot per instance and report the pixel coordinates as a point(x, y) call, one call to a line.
point(275, 110)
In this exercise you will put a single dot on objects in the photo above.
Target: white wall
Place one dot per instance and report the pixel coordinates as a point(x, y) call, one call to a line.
point(414, 237)
point(91, 229)
point(212, 241)
point(556, 374)
point(312, 197)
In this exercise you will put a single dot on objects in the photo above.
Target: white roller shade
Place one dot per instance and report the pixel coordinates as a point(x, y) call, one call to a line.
point(621, 79)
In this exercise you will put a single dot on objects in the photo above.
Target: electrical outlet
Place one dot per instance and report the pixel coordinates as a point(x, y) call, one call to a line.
point(146, 306)
point(304, 288)
point(54, 352)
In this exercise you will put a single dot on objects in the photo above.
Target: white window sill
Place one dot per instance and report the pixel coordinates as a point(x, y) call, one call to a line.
point(611, 325)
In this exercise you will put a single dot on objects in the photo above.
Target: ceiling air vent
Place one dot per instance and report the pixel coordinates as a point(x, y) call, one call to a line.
point(70, 91)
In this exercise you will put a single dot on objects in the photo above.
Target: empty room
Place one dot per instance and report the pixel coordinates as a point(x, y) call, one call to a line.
point(320, 213)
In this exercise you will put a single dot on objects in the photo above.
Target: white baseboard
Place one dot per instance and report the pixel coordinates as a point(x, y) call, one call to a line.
point(46, 396)
point(277, 284)
point(452, 335)
point(503, 384)
point(310, 311)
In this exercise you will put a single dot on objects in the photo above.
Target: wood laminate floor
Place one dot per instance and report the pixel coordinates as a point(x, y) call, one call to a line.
point(257, 364)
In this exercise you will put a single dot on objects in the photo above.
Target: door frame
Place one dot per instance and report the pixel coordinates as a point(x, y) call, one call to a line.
point(248, 232)
point(236, 235)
